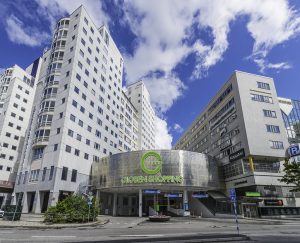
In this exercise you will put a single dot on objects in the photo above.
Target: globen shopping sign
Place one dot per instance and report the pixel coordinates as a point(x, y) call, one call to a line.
point(151, 164)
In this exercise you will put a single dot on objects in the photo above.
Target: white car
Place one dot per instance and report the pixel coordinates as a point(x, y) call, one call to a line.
point(1, 213)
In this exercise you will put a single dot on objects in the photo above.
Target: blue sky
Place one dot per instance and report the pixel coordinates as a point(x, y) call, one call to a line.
point(183, 50)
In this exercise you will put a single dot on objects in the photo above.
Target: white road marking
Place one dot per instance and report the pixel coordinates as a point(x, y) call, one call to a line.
point(154, 235)
point(54, 236)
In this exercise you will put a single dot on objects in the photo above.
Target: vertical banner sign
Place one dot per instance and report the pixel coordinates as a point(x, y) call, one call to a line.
point(233, 200)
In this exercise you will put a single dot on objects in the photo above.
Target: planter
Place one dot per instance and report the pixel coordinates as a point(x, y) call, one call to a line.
point(159, 218)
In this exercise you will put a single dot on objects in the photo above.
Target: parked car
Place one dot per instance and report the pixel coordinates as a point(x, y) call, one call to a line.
point(1, 213)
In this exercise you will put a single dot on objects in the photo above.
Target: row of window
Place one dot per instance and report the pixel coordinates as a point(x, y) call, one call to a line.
point(7, 168)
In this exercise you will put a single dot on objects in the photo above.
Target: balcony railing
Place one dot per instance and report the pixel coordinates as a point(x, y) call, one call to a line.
point(40, 140)
point(49, 96)
point(44, 124)
point(47, 109)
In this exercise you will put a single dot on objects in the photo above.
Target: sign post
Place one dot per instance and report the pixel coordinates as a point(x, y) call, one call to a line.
point(90, 198)
point(233, 200)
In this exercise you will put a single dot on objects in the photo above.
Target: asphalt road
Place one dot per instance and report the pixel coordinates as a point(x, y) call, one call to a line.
point(125, 230)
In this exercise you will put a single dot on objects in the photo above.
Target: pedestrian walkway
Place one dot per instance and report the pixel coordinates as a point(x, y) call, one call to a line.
point(36, 221)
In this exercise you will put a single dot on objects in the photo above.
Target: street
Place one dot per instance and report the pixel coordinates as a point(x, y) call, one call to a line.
point(178, 230)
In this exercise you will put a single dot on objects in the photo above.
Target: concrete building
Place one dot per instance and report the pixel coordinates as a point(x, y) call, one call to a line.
point(17, 89)
point(80, 114)
point(144, 182)
point(243, 129)
point(128, 127)
point(140, 98)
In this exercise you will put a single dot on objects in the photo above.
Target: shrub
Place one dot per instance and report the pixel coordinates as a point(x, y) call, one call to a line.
point(73, 209)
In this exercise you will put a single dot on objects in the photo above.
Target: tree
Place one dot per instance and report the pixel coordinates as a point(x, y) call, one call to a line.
point(292, 175)
point(73, 209)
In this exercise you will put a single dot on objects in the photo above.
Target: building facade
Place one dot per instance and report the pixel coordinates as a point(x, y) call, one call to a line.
point(290, 110)
point(17, 89)
point(144, 182)
point(243, 129)
point(140, 98)
point(80, 114)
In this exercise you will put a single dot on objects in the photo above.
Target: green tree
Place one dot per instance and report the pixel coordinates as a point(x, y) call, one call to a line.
point(73, 209)
point(292, 175)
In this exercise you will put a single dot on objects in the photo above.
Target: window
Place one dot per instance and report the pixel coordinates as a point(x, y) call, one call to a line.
point(74, 175)
point(58, 130)
point(55, 147)
point(69, 61)
point(44, 173)
point(87, 141)
point(272, 128)
point(68, 148)
point(262, 85)
point(72, 118)
point(70, 133)
point(80, 65)
point(16, 137)
point(80, 123)
point(269, 113)
point(74, 103)
point(64, 174)
point(8, 168)
point(61, 115)
point(261, 98)
point(19, 128)
point(77, 152)
point(51, 173)
point(76, 90)
point(276, 144)
point(78, 137)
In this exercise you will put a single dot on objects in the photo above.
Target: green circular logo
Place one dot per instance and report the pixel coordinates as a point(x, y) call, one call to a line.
point(155, 163)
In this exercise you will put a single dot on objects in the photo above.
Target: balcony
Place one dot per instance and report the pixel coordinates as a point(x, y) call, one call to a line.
point(49, 96)
point(52, 83)
point(44, 124)
point(40, 141)
point(54, 70)
point(57, 48)
point(47, 109)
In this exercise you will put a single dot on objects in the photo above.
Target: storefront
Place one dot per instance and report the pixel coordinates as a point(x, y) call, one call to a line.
point(145, 182)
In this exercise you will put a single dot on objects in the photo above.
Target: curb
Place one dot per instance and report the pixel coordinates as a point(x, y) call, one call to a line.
point(57, 226)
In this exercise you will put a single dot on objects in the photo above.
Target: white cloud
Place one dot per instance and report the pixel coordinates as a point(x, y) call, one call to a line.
point(164, 91)
point(178, 128)
point(264, 64)
point(19, 33)
point(163, 139)
point(52, 9)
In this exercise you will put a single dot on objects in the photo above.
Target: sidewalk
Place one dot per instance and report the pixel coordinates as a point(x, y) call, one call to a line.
point(35, 221)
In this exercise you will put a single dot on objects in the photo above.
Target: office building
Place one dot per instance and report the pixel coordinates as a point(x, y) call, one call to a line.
point(140, 98)
point(17, 89)
point(290, 110)
point(243, 129)
point(80, 114)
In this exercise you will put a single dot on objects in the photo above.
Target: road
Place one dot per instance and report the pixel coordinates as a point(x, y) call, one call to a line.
point(122, 229)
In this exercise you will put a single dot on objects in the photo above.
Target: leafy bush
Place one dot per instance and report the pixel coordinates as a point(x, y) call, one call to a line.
point(73, 209)
point(10, 212)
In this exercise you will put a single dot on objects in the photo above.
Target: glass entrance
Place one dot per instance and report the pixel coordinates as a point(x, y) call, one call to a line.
point(161, 203)
point(250, 210)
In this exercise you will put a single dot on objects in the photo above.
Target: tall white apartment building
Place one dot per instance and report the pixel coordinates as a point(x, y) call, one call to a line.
point(128, 127)
point(80, 114)
point(140, 98)
point(17, 89)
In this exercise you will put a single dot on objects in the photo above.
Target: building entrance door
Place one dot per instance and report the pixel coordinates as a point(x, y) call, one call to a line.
point(250, 210)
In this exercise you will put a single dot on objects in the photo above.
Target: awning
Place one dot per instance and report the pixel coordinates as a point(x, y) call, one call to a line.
point(217, 195)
